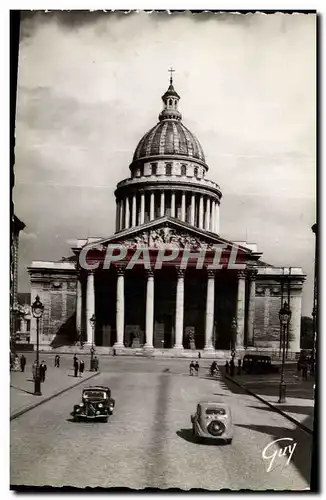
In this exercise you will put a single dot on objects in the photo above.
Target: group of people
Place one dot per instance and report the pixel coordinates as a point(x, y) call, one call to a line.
point(230, 367)
point(42, 370)
point(17, 364)
point(194, 368)
point(79, 366)
point(305, 362)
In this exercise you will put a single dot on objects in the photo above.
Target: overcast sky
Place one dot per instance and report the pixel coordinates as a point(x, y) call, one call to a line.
point(90, 86)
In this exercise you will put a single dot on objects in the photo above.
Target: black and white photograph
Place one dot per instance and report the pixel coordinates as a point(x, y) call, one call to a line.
point(163, 267)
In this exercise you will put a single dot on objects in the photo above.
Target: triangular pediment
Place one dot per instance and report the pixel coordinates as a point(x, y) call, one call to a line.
point(164, 232)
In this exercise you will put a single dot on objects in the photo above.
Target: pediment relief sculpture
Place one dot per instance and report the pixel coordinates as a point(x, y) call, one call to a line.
point(163, 237)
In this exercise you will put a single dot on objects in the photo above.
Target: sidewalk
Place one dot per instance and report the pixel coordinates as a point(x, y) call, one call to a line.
point(299, 405)
point(57, 380)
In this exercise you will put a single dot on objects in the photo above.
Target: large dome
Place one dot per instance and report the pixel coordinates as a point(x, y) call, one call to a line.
point(168, 137)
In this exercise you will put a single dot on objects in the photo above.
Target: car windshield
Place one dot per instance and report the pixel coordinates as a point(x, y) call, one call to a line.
point(94, 394)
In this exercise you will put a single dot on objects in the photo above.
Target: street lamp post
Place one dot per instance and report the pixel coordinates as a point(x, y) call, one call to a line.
point(92, 322)
point(284, 315)
point(37, 311)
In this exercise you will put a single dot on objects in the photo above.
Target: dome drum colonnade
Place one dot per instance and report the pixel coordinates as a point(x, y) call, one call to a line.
point(168, 177)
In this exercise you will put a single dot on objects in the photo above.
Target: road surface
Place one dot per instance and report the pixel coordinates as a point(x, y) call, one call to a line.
point(148, 441)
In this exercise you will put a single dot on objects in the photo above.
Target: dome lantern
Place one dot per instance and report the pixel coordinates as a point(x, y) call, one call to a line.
point(170, 100)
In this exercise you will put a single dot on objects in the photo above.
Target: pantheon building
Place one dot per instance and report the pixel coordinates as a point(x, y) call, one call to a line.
point(167, 198)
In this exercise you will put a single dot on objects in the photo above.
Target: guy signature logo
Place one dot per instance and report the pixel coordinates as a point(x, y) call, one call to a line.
point(269, 454)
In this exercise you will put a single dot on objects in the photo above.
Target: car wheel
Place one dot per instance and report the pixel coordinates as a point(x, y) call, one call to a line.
point(76, 418)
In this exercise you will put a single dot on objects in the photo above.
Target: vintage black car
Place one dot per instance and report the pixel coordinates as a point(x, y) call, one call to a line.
point(255, 363)
point(96, 404)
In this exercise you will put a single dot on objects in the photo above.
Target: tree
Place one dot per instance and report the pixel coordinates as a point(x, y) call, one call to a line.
point(306, 333)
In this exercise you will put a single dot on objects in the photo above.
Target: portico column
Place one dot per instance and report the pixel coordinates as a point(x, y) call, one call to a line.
point(152, 207)
point(127, 213)
point(134, 213)
point(149, 324)
point(162, 208)
point(179, 313)
point(251, 307)
point(90, 306)
point(192, 210)
point(142, 208)
point(210, 302)
point(241, 308)
point(208, 214)
point(78, 308)
point(201, 212)
point(120, 308)
point(173, 204)
point(212, 223)
point(183, 207)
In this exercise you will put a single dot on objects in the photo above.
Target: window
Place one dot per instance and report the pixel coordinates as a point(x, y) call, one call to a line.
point(154, 168)
point(183, 170)
point(196, 172)
point(168, 169)
point(170, 102)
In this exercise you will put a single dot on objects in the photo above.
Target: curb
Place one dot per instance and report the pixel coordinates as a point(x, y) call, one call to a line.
point(275, 408)
point(34, 405)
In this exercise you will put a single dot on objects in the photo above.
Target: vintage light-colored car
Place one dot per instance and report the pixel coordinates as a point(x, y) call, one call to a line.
point(96, 404)
point(213, 420)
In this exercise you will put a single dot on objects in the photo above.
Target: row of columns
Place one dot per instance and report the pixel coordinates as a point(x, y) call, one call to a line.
point(179, 312)
point(206, 207)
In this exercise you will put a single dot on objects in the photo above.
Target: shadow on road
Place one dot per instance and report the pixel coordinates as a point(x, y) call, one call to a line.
point(303, 410)
point(187, 435)
point(22, 390)
point(302, 455)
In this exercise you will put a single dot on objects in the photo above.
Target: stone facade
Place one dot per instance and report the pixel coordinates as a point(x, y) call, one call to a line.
point(167, 202)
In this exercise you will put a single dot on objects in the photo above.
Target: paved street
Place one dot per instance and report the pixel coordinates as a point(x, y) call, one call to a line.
point(148, 441)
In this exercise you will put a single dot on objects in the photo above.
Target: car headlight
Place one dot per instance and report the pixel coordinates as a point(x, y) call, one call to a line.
point(81, 405)
point(100, 405)
point(98, 412)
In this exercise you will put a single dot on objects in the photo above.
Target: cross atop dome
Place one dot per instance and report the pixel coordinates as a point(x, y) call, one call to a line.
point(171, 70)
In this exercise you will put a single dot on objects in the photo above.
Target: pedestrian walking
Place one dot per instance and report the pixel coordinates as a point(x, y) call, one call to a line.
point(239, 366)
point(74, 361)
point(191, 368)
point(232, 367)
point(43, 369)
point(12, 359)
point(81, 367)
point(227, 368)
point(197, 368)
point(96, 363)
point(57, 361)
point(22, 362)
point(76, 366)
point(304, 371)
point(16, 363)
point(199, 355)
